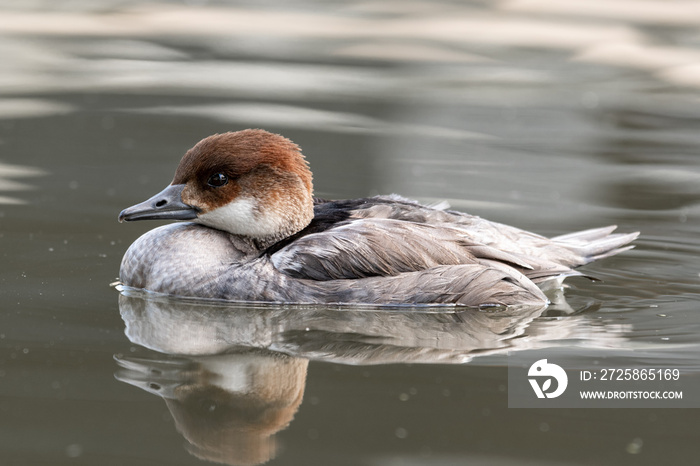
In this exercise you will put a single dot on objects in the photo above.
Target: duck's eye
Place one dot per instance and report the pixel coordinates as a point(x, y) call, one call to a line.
point(217, 180)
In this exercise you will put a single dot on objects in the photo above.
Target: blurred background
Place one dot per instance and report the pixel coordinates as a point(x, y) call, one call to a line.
point(548, 115)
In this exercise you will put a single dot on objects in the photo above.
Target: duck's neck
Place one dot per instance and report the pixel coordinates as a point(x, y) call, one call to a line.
point(261, 227)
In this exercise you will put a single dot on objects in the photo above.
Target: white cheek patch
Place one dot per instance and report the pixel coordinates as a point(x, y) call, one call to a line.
point(233, 375)
point(241, 217)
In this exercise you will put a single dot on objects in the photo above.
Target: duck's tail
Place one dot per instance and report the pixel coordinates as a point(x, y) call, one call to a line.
point(596, 243)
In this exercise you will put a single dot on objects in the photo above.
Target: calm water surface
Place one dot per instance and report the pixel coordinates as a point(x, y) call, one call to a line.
point(549, 117)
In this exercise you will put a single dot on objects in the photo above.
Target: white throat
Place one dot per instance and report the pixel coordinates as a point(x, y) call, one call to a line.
point(243, 217)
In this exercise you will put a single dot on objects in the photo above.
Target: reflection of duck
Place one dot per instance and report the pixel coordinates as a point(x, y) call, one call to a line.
point(367, 336)
point(259, 235)
point(240, 372)
point(229, 406)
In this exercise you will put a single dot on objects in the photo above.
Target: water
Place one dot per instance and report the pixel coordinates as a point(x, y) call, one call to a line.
point(551, 117)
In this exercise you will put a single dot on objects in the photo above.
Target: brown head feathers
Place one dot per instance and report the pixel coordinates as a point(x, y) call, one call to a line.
point(237, 153)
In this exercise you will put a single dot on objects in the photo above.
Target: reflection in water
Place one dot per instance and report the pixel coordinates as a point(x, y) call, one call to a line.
point(240, 370)
point(654, 188)
point(8, 172)
point(366, 336)
point(264, 114)
point(227, 406)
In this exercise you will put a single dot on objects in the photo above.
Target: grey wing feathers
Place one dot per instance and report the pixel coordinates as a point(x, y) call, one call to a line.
point(467, 284)
point(439, 256)
point(596, 243)
point(383, 247)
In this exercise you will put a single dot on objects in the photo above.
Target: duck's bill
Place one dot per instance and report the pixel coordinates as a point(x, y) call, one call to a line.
point(166, 205)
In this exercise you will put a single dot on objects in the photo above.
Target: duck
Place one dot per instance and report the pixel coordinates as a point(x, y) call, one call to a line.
point(251, 230)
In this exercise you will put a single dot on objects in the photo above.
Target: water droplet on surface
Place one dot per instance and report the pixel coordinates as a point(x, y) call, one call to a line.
point(635, 446)
point(74, 450)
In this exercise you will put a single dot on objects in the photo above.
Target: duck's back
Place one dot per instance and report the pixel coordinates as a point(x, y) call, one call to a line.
point(389, 235)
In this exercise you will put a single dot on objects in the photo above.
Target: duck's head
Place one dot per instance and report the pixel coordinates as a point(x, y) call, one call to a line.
point(250, 183)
